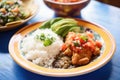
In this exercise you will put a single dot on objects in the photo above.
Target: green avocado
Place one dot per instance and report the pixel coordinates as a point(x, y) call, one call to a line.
point(45, 25)
point(55, 20)
point(48, 24)
point(70, 29)
point(62, 22)
point(75, 29)
point(63, 28)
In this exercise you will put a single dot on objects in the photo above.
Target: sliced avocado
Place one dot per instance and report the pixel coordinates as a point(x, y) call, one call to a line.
point(75, 29)
point(72, 29)
point(61, 29)
point(63, 22)
point(66, 31)
point(45, 25)
point(55, 20)
point(48, 24)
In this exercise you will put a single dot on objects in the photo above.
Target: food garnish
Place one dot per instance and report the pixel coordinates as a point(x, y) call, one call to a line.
point(46, 39)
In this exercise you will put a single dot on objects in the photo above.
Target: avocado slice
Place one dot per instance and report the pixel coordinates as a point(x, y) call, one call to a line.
point(63, 22)
point(75, 29)
point(61, 29)
point(55, 20)
point(69, 30)
point(48, 24)
point(45, 25)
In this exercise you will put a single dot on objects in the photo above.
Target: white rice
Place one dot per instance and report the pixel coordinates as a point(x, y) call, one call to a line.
point(36, 52)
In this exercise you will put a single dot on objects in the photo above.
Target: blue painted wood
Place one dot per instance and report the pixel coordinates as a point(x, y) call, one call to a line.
point(105, 15)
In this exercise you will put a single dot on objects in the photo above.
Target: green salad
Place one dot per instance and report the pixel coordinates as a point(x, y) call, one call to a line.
point(11, 11)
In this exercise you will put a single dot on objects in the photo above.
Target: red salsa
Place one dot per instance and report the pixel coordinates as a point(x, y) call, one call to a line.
point(81, 47)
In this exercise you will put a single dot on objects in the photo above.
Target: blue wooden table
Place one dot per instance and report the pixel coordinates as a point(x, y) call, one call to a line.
point(105, 15)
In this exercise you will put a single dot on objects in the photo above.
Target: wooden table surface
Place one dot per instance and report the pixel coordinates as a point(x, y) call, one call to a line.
point(102, 14)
